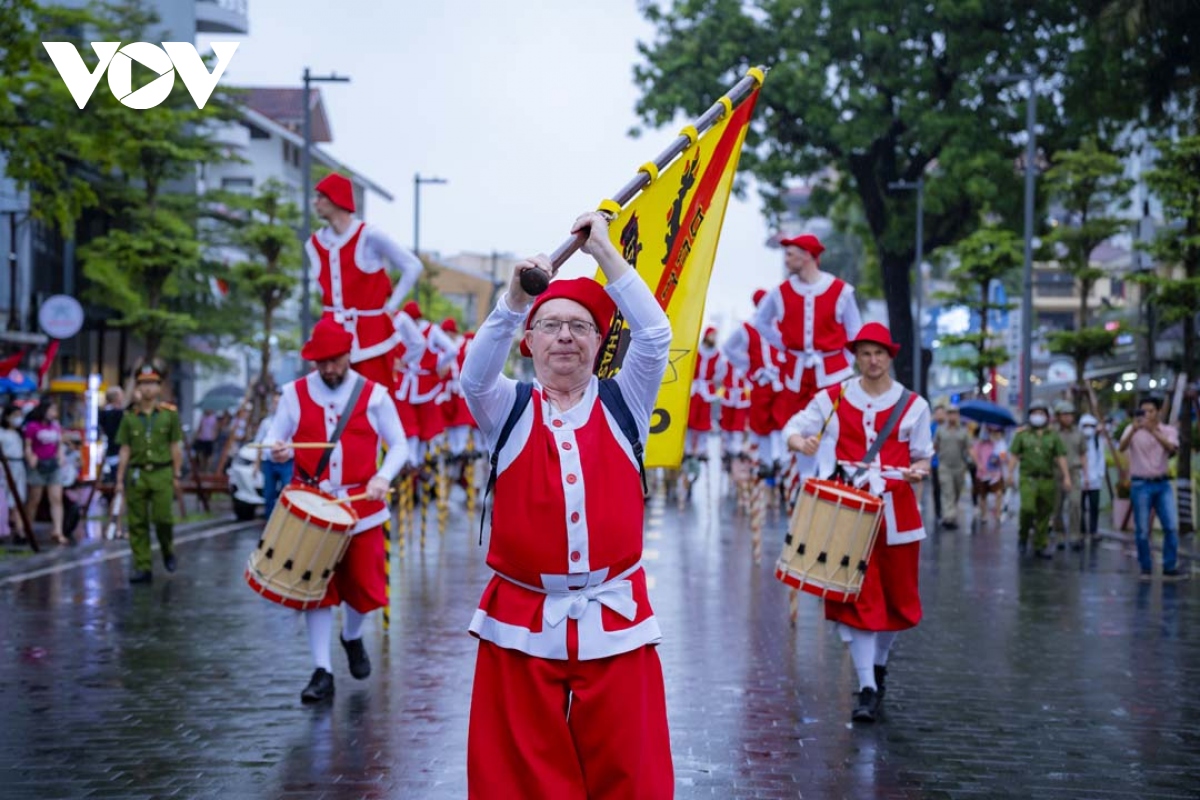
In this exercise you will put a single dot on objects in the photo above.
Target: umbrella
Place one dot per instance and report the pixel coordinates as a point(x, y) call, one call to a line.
point(18, 382)
point(986, 413)
point(222, 398)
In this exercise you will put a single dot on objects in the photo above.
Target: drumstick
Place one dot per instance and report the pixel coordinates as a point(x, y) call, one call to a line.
point(296, 445)
point(352, 498)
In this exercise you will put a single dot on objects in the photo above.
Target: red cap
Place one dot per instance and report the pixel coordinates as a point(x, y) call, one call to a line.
point(708, 330)
point(875, 333)
point(807, 242)
point(585, 291)
point(328, 340)
point(759, 294)
point(450, 325)
point(338, 189)
point(412, 309)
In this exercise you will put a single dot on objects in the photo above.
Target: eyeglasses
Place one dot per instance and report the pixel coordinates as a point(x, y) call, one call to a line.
point(578, 327)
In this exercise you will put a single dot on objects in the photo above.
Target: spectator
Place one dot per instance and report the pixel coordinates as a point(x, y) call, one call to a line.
point(989, 454)
point(952, 443)
point(939, 416)
point(204, 442)
point(12, 450)
point(110, 422)
point(1150, 443)
point(1096, 470)
point(44, 454)
point(276, 474)
point(1067, 508)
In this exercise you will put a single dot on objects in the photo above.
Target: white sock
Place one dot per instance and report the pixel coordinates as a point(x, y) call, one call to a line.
point(320, 635)
point(883, 646)
point(353, 624)
point(862, 653)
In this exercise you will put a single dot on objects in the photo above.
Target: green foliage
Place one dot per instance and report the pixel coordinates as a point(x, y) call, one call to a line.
point(988, 255)
point(879, 92)
point(1083, 345)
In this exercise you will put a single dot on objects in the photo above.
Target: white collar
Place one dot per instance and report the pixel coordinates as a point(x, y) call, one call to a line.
point(324, 395)
point(332, 241)
point(857, 397)
point(823, 282)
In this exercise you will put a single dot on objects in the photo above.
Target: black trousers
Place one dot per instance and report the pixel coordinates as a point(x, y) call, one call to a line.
point(1089, 517)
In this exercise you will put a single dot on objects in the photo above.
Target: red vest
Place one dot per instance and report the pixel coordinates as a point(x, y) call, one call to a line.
point(345, 286)
point(706, 371)
point(822, 333)
point(355, 459)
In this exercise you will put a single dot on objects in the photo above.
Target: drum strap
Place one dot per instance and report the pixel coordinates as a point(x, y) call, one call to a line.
point(355, 393)
point(892, 421)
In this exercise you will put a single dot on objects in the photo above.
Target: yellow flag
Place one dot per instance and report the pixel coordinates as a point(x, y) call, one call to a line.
point(669, 234)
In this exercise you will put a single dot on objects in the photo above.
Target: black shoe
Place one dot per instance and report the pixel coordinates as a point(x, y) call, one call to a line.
point(1145, 576)
point(169, 562)
point(1170, 575)
point(356, 654)
point(880, 681)
point(141, 576)
point(1077, 545)
point(320, 687)
point(950, 526)
point(868, 706)
point(1061, 546)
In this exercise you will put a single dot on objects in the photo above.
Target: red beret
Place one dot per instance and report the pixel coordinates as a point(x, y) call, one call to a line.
point(807, 242)
point(328, 340)
point(759, 294)
point(338, 189)
point(450, 325)
point(585, 291)
point(708, 330)
point(412, 309)
point(875, 333)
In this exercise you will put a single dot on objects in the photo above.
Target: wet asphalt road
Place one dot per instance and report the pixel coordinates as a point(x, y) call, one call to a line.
point(1060, 679)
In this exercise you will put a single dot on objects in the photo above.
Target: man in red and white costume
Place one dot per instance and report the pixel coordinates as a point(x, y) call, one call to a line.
point(889, 601)
point(568, 700)
point(459, 421)
point(735, 411)
point(750, 352)
point(350, 261)
point(309, 410)
point(706, 381)
point(421, 383)
point(811, 315)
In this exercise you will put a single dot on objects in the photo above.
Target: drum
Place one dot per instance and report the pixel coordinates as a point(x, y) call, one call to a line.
point(300, 546)
point(829, 541)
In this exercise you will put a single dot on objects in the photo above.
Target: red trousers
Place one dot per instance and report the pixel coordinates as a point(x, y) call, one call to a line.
point(568, 730)
point(360, 580)
point(788, 404)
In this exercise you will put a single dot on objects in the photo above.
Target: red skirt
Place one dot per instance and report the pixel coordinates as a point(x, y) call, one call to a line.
point(456, 412)
point(733, 419)
point(431, 421)
point(699, 414)
point(360, 580)
point(890, 599)
point(408, 418)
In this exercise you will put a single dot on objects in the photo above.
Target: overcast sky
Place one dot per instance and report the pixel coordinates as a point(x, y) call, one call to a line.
point(523, 107)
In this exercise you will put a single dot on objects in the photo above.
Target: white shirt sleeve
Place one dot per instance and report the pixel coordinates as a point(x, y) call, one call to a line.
point(443, 345)
point(645, 361)
point(381, 411)
point(410, 337)
point(489, 393)
point(264, 427)
point(735, 349)
point(402, 259)
point(287, 416)
point(920, 442)
point(851, 318)
point(809, 421)
point(767, 317)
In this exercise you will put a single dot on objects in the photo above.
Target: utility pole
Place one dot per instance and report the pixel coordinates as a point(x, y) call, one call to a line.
point(918, 350)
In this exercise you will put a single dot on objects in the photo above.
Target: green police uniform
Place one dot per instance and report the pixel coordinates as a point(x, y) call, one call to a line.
point(1037, 451)
point(1067, 512)
point(149, 479)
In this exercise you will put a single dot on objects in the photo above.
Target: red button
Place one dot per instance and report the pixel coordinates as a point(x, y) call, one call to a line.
point(566, 445)
point(571, 479)
point(575, 556)
point(575, 517)
point(557, 423)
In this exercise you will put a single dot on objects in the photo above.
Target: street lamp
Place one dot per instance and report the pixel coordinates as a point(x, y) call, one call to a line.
point(1027, 282)
point(306, 201)
point(417, 181)
point(918, 355)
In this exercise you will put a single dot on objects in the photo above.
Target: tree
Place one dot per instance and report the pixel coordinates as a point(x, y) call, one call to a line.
point(262, 228)
point(1176, 181)
point(987, 256)
point(880, 91)
point(1089, 185)
point(142, 266)
point(52, 148)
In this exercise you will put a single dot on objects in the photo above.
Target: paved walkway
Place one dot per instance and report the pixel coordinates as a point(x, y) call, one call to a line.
point(1027, 679)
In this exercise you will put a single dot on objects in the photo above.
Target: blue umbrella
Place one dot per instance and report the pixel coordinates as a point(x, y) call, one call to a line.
point(987, 413)
point(18, 382)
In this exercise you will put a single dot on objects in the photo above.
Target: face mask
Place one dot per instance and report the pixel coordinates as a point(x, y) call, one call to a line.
point(1037, 420)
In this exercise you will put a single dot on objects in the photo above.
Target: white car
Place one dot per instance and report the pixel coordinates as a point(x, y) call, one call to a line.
point(245, 484)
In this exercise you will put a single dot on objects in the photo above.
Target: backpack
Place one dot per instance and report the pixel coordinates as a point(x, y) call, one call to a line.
point(613, 400)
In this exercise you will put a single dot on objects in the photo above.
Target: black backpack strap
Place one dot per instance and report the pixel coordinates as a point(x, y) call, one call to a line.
point(524, 395)
point(614, 401)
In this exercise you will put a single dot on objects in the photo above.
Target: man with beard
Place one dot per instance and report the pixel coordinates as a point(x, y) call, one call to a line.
point(310, 410)
point(350, 260)
point(853, 416)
